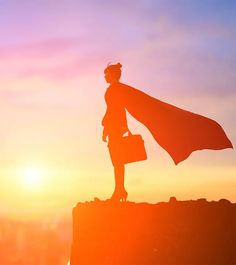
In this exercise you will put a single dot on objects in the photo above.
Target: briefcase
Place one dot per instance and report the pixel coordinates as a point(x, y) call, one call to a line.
point(133, 148)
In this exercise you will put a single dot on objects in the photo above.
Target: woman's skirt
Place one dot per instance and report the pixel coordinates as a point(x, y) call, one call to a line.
point(115, 149)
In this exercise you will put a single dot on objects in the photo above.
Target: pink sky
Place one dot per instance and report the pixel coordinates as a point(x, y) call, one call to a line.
point(51, 96)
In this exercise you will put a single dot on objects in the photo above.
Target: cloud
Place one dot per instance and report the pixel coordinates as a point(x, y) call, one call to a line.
point(193, 59)
point(56, 58)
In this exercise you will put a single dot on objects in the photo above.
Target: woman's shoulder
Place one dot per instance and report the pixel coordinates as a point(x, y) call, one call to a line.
point(116, 88)
point(114, 92)
point(113, 89)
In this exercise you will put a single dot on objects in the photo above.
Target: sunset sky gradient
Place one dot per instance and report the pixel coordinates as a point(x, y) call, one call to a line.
point(52, 86)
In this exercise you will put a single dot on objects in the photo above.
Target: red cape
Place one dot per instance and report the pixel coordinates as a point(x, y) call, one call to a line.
point(178, 131)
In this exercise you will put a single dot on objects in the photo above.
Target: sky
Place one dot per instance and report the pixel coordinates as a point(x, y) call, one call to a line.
point(52, 57)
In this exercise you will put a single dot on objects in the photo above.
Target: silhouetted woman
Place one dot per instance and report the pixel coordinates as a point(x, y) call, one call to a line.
point(178, 131)
point(115, 125)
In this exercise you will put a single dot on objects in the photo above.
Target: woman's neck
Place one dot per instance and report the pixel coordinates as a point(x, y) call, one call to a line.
point(114, 82)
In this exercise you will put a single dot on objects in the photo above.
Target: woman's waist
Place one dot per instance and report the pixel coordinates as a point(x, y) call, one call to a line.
point(116, 131)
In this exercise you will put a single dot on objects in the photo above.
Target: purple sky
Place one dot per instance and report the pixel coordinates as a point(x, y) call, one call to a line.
point(53, 53)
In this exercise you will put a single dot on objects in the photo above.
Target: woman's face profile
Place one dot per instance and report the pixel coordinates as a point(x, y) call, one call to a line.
point(108, 77)
point(111, 77)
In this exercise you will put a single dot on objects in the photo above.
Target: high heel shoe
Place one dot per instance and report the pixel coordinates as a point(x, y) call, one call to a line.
point(118, 196)
point(123, 195)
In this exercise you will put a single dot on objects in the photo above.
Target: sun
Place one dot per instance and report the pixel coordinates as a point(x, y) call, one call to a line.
point(33, 177)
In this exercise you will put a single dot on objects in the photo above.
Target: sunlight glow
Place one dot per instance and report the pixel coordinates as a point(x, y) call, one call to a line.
point(33, 177)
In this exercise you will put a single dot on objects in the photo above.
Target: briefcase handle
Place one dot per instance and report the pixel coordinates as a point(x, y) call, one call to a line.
point(129, 132)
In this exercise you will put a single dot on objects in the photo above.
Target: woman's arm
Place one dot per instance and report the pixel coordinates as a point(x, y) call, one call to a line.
point(114, 120)
point(105, 121)
point(104, 134)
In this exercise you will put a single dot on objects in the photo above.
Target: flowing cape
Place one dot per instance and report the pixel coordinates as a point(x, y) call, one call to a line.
point(178, 131)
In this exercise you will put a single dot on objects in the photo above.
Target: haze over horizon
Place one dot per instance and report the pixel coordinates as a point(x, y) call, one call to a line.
point(52, 87)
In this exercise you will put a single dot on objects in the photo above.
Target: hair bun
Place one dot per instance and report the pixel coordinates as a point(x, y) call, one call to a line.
point(119, 64)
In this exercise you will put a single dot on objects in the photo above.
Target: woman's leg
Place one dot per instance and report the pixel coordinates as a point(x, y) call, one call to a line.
point(119, 172)
point(120, 193)
point(114, 145)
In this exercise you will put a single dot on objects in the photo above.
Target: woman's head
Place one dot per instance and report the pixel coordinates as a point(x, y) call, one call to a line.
point(113, 73)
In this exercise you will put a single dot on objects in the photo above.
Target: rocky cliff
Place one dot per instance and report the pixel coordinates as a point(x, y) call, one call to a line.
point(176, 232)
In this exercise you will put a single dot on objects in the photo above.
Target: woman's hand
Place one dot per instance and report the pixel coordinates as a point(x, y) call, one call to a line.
point(104, 135)
point(126, 130)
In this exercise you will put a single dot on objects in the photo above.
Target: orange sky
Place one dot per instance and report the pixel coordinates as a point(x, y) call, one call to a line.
point(52, 88)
